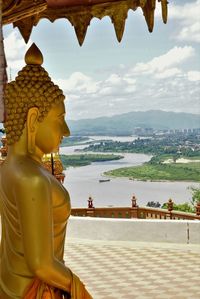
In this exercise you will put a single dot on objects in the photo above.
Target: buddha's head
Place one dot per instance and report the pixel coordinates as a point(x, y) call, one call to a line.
point(32, 93)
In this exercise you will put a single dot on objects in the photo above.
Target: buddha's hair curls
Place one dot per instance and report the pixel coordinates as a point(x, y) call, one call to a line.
point(32, 88)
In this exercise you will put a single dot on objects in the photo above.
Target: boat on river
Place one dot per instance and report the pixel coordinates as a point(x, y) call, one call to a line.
point(104, 180)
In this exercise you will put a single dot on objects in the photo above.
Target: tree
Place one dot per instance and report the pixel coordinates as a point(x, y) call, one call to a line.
point(153, 204)
point(195, 195)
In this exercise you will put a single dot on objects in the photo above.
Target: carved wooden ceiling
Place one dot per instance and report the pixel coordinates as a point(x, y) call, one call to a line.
point(25, 14)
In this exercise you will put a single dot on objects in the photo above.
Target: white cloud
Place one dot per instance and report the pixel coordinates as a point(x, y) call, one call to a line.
point(187, 16)
point(161, 83)
point(168, 73)
point(15, 49)
point(190, 33)
point(130, 89)
point(80, 82)
point(106, 91)
point(114, 79)
point(173, 57)
point(14, 45)
point(193, 76)
point(186, 11)
point(129, 80)
point(164, 82)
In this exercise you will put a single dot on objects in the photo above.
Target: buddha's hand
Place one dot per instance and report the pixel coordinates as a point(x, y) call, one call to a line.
point(78, 290)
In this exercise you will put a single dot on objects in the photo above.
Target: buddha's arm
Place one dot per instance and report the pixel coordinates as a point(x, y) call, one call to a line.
point(33, 197)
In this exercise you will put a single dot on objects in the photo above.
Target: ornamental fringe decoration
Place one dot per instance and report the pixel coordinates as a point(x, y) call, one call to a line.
point(25, 14)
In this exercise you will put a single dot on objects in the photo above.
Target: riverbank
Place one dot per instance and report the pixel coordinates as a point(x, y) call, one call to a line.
point(160, 172)
point(78, 160)
point(82, 182)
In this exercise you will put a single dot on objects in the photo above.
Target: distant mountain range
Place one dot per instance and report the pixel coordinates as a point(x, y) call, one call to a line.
point(124, 124)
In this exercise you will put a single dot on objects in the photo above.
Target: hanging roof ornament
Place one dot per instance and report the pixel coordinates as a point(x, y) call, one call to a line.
point(25, 14)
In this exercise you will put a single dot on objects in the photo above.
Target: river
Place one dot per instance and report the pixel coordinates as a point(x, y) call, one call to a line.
point(82, 182)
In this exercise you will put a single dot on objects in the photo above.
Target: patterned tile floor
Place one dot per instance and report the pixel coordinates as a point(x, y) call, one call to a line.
point(128, 270)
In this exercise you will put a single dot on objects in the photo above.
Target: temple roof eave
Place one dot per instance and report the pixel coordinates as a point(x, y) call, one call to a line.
point(25, 14)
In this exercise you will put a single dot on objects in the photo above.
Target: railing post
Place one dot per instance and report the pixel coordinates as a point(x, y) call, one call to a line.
point(198, 209)
point(134, 208)
point(91, 208)
point(170, 207)
point(134, 201)
point(90, 202)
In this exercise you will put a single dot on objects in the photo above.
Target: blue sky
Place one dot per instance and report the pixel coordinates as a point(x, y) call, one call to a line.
point(159, 70)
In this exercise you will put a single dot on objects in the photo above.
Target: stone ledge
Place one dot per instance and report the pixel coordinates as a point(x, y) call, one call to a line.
point(137, 230)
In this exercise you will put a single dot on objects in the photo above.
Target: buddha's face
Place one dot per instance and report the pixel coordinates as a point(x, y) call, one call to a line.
point(52, 129)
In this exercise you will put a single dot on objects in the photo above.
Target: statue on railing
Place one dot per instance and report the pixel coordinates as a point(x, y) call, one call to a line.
point(34, 206)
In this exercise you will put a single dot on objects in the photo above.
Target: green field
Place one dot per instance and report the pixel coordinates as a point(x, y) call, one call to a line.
point(86, 159)
point(158, 172)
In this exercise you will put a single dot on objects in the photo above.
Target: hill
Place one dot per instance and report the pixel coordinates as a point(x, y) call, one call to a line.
point(124, 124)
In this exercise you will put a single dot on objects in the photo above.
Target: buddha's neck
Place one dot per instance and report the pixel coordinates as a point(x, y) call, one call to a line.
point(20, 148)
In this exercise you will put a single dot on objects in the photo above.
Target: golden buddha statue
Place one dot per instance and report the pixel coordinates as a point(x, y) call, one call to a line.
point(34, 206)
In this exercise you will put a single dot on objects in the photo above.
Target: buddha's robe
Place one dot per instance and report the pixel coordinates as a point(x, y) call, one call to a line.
point(15, 275)
point(40, 290)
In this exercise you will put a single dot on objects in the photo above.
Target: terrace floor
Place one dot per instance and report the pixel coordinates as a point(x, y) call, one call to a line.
point(132, 270)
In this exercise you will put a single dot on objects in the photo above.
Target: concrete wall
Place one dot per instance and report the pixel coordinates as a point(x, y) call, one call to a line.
point(170, 231)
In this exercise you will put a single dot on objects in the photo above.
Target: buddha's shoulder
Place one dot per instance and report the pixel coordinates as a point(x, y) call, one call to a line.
point(26, 169)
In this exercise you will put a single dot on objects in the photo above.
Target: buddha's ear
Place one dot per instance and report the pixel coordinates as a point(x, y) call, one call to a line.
point(32, 119)
point(32, 125)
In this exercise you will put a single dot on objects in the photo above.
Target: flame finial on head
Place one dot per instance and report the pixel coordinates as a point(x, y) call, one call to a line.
point(34, 56)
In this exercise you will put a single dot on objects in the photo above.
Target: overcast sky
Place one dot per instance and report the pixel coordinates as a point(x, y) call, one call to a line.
point(159, 70)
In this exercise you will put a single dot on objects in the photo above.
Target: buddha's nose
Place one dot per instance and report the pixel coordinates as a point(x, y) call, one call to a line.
point(66, 131)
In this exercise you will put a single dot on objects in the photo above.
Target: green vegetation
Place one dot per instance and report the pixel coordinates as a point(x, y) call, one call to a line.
point(169, 145)
point(184, 207)
point(166, 147)
point(157, 172)
point(195, 195)
point(188, 207)
point(86, 159)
